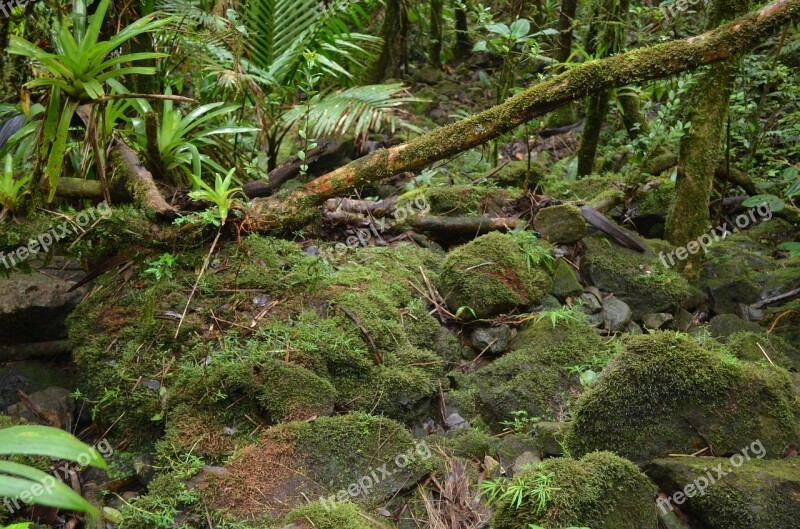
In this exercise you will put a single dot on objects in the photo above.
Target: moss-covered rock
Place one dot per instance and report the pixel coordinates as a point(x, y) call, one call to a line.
point(491, 275)
point(518, 174)
point(535, 377)
point(748, 346)
point(759, 493)
point(468, 200)
point(292, 392)
point(562, 224)
point(467, 443)
point(357, 457)
point(639, 280)
point(317, 515)
point(565, 281)
point(601, 490)
point(666, 393)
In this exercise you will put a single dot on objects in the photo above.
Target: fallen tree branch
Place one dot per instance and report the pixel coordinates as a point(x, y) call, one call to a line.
point(633, 67)
point(92, 189)
point(288, 170)
point(462, 225)
point(139, 182)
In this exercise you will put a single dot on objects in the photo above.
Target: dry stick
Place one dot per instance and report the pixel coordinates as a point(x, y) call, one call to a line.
point(765, 353)
point(199, 276)
point(632, 67)
point(372, 347)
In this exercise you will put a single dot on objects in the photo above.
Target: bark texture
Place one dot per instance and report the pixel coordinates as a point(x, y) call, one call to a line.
point(436, 35)
point(394, 33)
point(289, 210)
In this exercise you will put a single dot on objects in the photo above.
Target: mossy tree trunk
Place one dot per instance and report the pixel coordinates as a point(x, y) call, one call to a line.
point(632, 116)
point(463, 46)
point(606, 37)
point(701, 147)
point(394, 33)
point(289, 210)
point(566, 19)
point(436, 33)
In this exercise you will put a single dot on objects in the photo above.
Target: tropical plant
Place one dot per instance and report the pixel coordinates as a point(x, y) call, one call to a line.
point(520, 491)
point(562, 316)
point(221, 194)
point(77, 72)
point(11, 190)
point(535, 253)
point(16, 478)
point(180, 138)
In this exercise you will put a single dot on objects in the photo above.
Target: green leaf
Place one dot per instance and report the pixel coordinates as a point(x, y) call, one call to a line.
point(774, 203)
point(44, 489)
point(792, 247)
point(46, 441)
point(520, 28)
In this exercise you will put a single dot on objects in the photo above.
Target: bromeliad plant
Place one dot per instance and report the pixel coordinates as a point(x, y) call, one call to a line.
point(16, 478)
point(77, 71)
point(11, 190)
point(221, 194)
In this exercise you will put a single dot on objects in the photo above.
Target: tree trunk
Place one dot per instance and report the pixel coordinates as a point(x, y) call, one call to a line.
point(601, 42)
point(632, 114)
point(701, 147)
point(436, 34)
point(394, 33)
point(463, 47)
point(566, 19)
point(290, 210)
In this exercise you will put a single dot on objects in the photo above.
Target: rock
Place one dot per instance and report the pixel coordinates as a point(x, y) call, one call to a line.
point(292, 392)
point(562, 224)
point(599, 490)
point(724, 325)
point(517, 174)
point(532, 377)
point(633, 328)
point(454, 421)
point(327, 458)
point(657, 320)
point(516, 444)
point(565, 281)
point(549, 437)
point(758, 493)
point(491, 275)
point(30, 377)
point(55, 404)
point(144, 466)
point(623, 271)
point(591, 302)
point(525, 461)
point(683, 320)
point(668, 394)
point(764, 348)
point(616, 314)
point(494, 340)
point(34, 307)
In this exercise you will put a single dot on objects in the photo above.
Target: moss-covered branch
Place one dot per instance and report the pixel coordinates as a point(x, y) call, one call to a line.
point(664, 60)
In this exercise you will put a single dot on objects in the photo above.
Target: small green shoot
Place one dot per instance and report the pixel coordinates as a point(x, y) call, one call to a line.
point(161, 267)
point(11, 190)
point(221, 194)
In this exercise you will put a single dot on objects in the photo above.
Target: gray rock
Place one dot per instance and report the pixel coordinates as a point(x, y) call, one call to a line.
point(30, 377)
point(724, 325)
point(683, 320)
point(549, 436)
point(633, 328)
point(34, 307)
point(657, 320)
point(493, 339)
point(526, 460)
point(455, 421)
point(562, 224)
point(616, 314)
point(144, 466)
point(565, 281)
point(52, 402)
point(591, 303)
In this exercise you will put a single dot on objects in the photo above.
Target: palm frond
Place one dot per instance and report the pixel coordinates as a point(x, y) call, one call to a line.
point(360, 109)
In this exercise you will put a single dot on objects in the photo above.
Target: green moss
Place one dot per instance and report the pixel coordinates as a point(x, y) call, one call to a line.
point(290, 391)
point(468, 200)
point(467, 443)
point(490, 275)
point(756, 494)
point(624, 272)
point(534, 377)
point(747, 345)
point(587, 188)
point(601, 490)
point(518, 174)
point(340, 516)
point(656, 201)
point(666, 393)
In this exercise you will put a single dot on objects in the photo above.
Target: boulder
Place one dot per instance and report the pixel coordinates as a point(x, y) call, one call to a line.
point(601, 490)
point(565, 281)
point(562, 224)
point(723, 325)
point(55, 407)
point(756, 493)
point(491, 275)
point(493, 340)
point(666, 394)
point(616, 314)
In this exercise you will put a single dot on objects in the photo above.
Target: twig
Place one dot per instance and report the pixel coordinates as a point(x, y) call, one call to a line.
point(765, 354)
point(767, 301)
point(196, 283)
point(372, 346)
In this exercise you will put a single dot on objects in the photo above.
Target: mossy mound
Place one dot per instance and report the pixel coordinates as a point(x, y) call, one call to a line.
point(468, 200)
point(535, 377)
point(562, 224)
point(357, 458)
point(639, 280)
point(601, 491)
point(759, 493)
point(491, 275)
point(748, 346)
point(518, 174)
point(666, 393)
point(467, 443)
